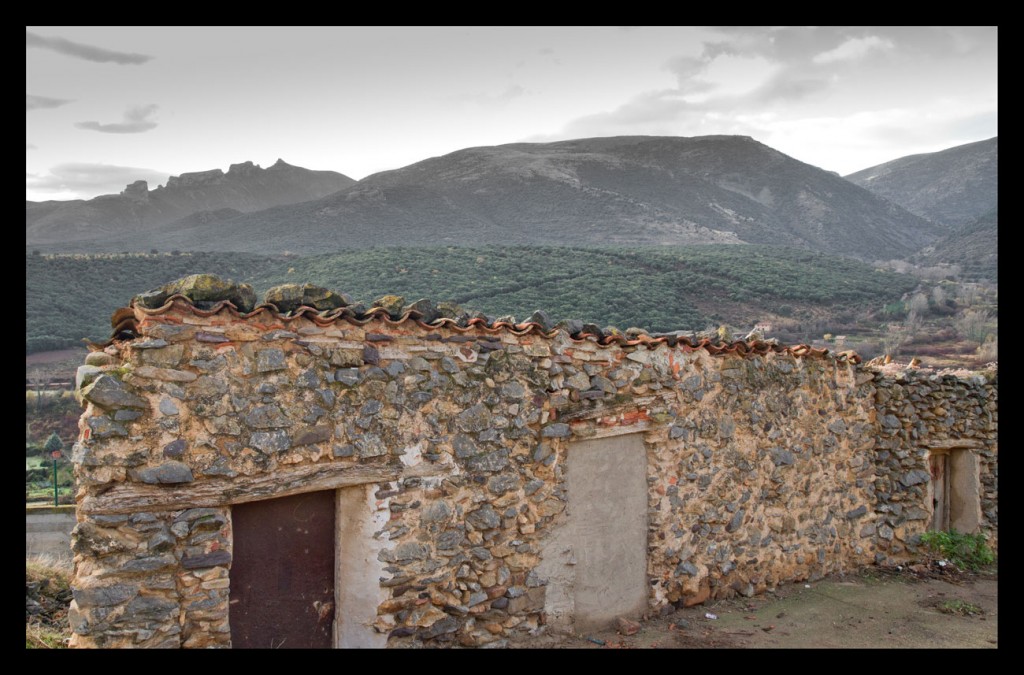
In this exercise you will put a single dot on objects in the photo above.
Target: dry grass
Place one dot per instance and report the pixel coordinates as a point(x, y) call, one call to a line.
point(47, 596)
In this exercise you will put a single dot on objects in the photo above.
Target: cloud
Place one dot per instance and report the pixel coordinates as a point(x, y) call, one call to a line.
point(853, 49)
point(676, 111)
point(689, 72)
point(35, 102)
point(839, 97)
point(81, 51)
point(741, 71)
point(86, 180)
point(494, 100)
point(786, 88)
point(136, 121)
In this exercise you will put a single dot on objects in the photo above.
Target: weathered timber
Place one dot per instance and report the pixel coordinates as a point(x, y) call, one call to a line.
point(132, 497)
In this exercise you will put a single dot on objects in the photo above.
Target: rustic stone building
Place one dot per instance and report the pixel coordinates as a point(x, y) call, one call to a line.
point(308, 472)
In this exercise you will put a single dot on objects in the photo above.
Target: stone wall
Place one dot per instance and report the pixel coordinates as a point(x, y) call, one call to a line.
point(917, 413)
point(764, 465)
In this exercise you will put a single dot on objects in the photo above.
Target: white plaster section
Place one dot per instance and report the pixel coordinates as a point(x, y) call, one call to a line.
point(595, 563)
point(431, 473)
point(358, 592)
point(413, 455)
point(558, 567)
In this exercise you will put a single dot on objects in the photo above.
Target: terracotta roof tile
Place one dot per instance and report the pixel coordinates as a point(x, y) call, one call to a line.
point(125, 327)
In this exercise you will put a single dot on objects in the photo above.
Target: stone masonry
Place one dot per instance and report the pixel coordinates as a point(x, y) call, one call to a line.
point(764, 464)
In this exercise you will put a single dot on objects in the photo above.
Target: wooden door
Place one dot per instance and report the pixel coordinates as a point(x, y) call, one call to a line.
point(282, 572)
point(939, 465)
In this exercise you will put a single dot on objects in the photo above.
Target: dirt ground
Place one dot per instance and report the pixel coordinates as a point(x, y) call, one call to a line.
point(875, 609)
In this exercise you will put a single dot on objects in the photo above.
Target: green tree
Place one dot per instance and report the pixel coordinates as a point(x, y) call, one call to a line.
point(53, 443)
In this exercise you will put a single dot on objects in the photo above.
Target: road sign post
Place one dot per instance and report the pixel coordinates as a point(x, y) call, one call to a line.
point(55, 455)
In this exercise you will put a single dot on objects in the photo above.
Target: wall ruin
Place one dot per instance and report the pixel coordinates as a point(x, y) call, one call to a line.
point(452, 442)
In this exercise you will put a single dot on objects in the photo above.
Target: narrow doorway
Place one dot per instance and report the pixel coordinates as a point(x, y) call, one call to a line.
point(282, 572)
point(954, 490)
point(938, 465)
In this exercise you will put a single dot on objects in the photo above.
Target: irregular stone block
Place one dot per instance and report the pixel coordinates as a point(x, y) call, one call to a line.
point(269, 360)
point(175, 449)
point(270, 441)
point(557, 430)
point(267, 417)
point(168, 406)
point(348, 376)
point(915, 477)
point(311, 435)
point(857, 512)
point(474, 419)
point(104, 427)
point(435, 512)
point(484, 518)
point(166, 474)
point(492, 461)
point(782, 457)
point(109, 392)
point(289, 297)
point(201, 288)
point(212, 559)
point(410, 551)
point(736, 521)
point(104, 596)
point(502, 483)
point(464, 446)
point(370, 445)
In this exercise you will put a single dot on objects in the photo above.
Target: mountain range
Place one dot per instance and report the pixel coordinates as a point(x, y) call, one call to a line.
point(192, 198)
point(629, 190)
point(956, 187)
point(952, 187)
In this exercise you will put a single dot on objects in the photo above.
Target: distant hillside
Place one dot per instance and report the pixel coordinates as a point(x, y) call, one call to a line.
point(69, 297)
point(589, 192)
point(953, 187)
point(129, 217)
point(974, 247)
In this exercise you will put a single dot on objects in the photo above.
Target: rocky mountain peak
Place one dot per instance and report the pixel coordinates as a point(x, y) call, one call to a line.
point(211, 177)
point(137, 191)
point(244, 169)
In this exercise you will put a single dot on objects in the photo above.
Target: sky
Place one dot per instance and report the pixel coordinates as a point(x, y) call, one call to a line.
point(106, 106)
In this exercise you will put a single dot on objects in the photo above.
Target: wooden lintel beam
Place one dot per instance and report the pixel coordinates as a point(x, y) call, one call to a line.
point(283, 482)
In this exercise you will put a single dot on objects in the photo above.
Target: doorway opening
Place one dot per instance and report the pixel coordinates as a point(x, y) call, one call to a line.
point(283, 572)
point(954, 490)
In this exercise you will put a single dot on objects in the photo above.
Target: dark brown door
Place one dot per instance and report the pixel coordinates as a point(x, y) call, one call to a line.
point(282, 572)
point(939, 465)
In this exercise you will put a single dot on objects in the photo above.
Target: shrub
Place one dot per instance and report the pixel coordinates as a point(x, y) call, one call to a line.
point(969, 551)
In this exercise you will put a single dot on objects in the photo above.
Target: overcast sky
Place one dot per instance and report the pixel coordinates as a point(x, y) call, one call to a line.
point(106, 106)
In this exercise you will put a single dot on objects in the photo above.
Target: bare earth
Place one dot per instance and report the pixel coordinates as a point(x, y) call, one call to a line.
point(872, 610)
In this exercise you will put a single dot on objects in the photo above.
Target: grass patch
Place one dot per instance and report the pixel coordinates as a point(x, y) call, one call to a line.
point(959, 607)
point(966, 551)
point(40, 636)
